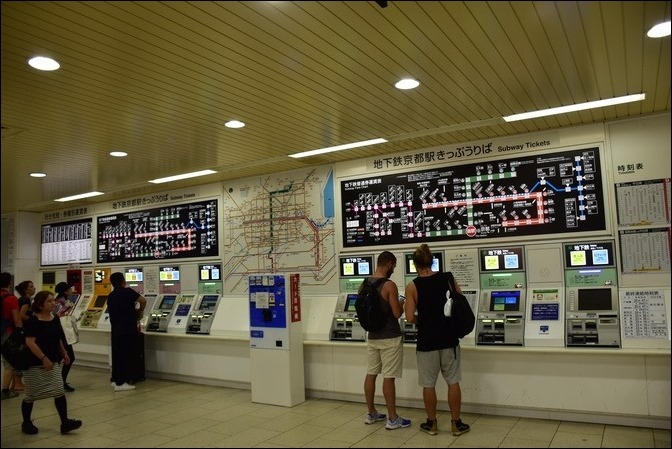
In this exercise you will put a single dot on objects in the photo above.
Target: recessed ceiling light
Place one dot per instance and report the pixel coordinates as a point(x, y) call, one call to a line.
point(42, 63)
point(38, 175)
point(234, 124)
point(118, 153)
point(660, 30)
point(407, 83)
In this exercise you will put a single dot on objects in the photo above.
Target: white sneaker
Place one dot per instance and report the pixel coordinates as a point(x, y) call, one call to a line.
point(113, 384)
point(124, 387)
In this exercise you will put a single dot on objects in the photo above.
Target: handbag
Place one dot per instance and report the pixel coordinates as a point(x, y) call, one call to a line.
point(15, 351)
point(69, 329)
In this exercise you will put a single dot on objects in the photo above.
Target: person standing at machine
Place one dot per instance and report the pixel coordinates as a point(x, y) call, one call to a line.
point(437, 348)
point(385, 348)
point(64, 307)
point(124, 317)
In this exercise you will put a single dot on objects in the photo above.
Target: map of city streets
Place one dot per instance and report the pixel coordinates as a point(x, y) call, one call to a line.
point(530, 195)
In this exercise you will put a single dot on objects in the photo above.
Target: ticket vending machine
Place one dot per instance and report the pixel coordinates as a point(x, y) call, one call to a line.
point(135, 279)
point(545, 314)
point(203, 313)
point(501, 309)
point(178, 320)
point(169, 279)
point(210, 279)
point(159, 317)
point(344, 324)
point(276, 339)
point(92, 314)
point(151, 300)
point(96, 306)
point(592, 309)
point(81, 306)
point(409, 330)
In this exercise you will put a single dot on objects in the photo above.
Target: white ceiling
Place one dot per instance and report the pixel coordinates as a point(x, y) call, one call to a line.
point(159, 80)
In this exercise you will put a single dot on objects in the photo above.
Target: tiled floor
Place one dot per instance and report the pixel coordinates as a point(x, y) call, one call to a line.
point(162, 413)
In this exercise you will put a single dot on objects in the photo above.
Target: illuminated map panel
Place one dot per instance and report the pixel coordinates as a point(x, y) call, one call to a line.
point(529, 195)
point(169, 232)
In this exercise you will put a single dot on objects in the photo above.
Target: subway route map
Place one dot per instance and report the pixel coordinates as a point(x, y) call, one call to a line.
point(529, 195)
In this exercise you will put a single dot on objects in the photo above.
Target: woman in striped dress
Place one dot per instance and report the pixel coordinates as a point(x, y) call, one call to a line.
point(43, 378)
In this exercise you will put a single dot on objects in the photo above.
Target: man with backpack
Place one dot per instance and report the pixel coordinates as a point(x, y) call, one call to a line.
point(438, 344)
point(384, 346)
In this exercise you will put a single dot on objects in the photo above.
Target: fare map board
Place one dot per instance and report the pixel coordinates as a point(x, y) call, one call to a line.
point(528, 195)
point(169, 232)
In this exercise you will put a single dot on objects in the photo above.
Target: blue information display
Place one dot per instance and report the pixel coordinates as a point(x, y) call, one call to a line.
point(546, 312)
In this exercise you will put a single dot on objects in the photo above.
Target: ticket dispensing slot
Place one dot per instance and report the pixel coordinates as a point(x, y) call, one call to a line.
point(201, 318)
point(345, 325)
point(158, 319)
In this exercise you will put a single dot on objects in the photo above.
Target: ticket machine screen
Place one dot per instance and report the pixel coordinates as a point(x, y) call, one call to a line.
point(505, 301)
point(182, 310)
point(209, 302)
point(99, 302)
point(167, 302)
point(350, 303)
point(595, 299)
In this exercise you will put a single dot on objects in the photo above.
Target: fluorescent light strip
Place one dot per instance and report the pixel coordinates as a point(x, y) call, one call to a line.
point(346, 146)
point(183, 176)
point(575, 107)
point(78, 197)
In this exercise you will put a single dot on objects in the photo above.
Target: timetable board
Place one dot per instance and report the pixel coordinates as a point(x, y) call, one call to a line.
point(168, 232)
point(559, 192)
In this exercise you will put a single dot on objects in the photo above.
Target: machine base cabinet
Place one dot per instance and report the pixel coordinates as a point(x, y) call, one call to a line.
point(277, 376)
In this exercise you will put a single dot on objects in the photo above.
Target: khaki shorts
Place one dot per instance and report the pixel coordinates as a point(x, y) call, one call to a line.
point(431, 362)
point(385, 356)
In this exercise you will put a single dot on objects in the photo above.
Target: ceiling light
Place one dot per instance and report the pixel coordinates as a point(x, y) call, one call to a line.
point(407, 83)
point(183, 176)
point(42, 63)
point(234, 124)
point(38, 175)
point(346, 146)
point(660, 30)
point(575, 107)
point(78, 197)
point(118, 153)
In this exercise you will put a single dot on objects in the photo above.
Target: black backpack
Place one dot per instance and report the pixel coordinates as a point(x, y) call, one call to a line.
point(368, 305)
point(462, 319)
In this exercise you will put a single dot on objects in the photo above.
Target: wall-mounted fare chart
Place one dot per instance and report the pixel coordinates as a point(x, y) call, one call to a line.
point(533, 195)
point(169, 232)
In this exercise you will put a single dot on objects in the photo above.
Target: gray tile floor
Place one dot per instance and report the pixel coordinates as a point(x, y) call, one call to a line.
point(163, 413)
